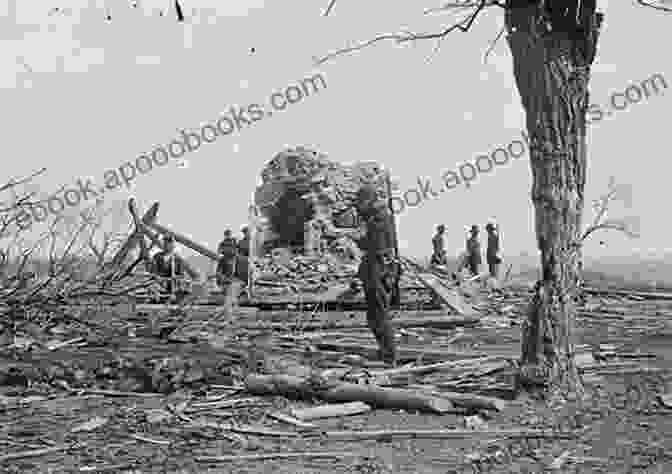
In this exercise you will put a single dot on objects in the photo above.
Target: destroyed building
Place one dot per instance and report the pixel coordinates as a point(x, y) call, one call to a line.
point(306, 204)
point(303, 191)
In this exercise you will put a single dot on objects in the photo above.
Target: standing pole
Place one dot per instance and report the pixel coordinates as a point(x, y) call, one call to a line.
point(396, 294)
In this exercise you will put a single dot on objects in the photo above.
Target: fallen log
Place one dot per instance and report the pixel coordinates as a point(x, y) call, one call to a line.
point(268, 456)
point(403, 353)
point(447, 434)
point(330, 411)
point(475, 402)
point(426, 369)
point(442, 322)
point(342, 392)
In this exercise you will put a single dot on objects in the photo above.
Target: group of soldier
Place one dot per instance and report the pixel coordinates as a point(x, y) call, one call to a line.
point(471, 258)
point(379, 270)
point(233, 257)
point(232, 264)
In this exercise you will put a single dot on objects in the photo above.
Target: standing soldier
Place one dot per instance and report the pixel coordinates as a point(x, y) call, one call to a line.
point(244, 243)
point(378, 268)
point(243, 259)
point(228, 254)
point(474, 251)
point(492, 254)
point(168, 265)
point(439, 253)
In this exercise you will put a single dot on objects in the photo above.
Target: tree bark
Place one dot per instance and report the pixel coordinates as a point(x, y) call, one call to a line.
point(553, 45)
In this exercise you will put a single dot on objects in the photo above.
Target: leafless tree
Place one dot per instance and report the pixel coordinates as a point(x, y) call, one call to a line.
point(109, 227)
point(44, 267)
point(553, 44)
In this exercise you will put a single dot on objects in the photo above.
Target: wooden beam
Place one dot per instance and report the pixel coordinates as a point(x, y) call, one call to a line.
point(184, 240)
point(133, 241)
point(447, 295)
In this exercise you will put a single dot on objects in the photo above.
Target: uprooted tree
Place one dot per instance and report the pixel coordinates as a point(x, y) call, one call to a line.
point(553, 44)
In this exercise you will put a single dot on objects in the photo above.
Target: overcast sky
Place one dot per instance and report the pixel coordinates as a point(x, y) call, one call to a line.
point(81, 95)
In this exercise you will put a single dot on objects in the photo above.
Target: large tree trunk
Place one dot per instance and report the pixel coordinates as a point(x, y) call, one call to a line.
point(553, 46)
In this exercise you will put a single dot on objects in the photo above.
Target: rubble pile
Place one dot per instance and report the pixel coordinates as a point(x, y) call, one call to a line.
point(74, 380)
point(307, 217)
point(313, 187)
point(301, 273)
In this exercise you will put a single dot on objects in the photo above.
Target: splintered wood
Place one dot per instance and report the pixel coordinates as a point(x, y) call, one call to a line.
point(287, 384)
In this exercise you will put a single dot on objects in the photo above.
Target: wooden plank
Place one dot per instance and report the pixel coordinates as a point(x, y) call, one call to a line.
point(642, 294)
point(135, 238)
point(333, 294)
point(449, 296)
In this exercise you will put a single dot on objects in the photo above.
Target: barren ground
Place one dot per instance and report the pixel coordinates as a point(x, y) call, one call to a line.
point(622, 428)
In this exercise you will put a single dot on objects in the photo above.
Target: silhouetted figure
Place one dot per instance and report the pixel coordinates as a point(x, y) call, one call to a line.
point(378, 268)
point(243, 260)
point(439, 248)
point(492, 254)
point(168, 265)
point(228, 256)
point(474, 258)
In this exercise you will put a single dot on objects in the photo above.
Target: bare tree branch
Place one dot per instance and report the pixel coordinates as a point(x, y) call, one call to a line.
point(400, 38)
point(329, 7)
point(463, 25)
point(601, 206)
point(655, 7)
point(14, 183)
point(493, 44)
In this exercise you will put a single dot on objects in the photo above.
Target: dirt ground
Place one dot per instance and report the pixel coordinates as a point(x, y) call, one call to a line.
point(621, 428)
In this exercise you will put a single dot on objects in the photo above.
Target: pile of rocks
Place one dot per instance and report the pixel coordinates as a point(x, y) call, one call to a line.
point(328, 188)
point(307, 217)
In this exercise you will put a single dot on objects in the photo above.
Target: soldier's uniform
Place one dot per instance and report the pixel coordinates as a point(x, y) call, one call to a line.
point(243, 260)
point(169, 266)
point(492, 254)
point(226, 267)
point(378, 271)
point(439, 253)
point(474, 251)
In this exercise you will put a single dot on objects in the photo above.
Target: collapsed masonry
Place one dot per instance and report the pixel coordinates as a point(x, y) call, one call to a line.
point(307, 215)
point(305, 198)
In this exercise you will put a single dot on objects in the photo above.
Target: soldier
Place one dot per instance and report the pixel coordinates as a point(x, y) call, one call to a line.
point(168, 265)
point(243, 260)
point(474, 251)
point(228, 254)
point(244, 243)
point(439, 253)
point(378, 269)
point(492, 253)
